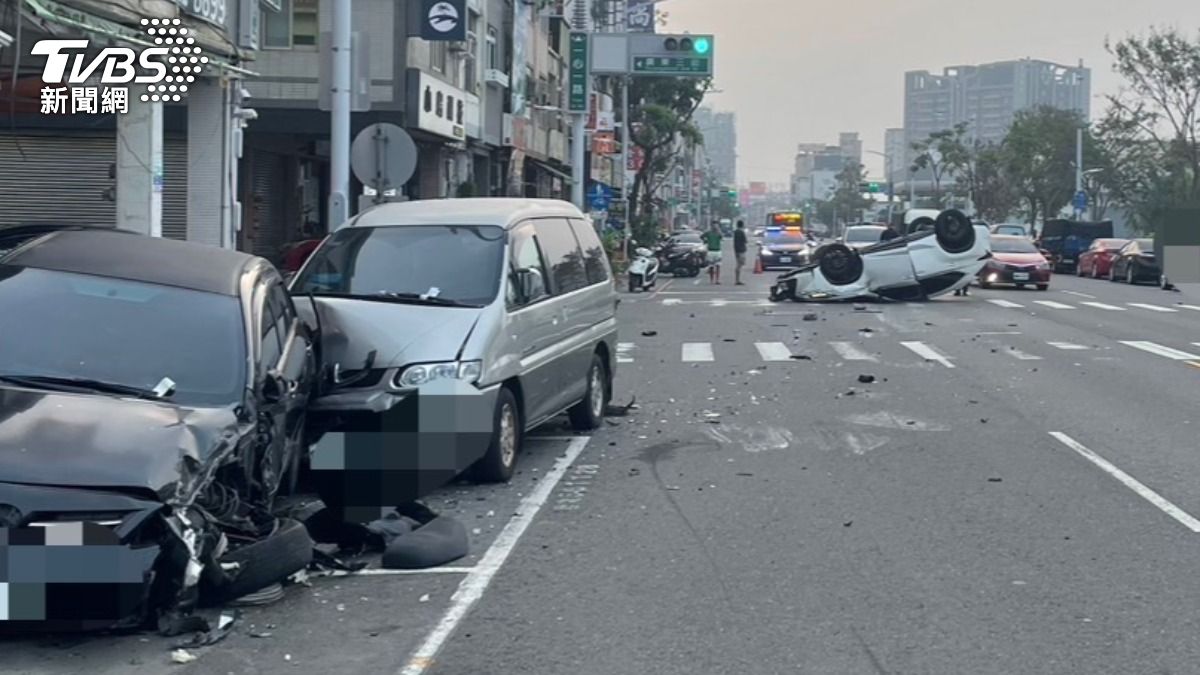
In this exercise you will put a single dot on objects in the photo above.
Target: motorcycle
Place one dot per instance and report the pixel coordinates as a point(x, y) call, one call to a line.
point(643, 270)
point(681, 260)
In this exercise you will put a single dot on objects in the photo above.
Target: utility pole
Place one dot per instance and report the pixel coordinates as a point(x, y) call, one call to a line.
point(1078, 167)
point(626, 184)
point(579, 127)
point(339, 135)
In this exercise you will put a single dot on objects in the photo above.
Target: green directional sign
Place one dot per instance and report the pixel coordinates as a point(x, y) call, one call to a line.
point(671, 65)
point(577, 99)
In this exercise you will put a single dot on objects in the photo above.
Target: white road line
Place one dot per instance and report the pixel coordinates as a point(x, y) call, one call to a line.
point(1068, 346)
point(1130, 482)
point(378, 572)
point(773, 351)
point(1159, 350)
point(471, 589)
point(697, 351)
point(1022, 356)
point(1053, 305)
point(672, 301)
point(1101, 305)
point(623, 352)
point(719, 303)
point(850, 352)
point(1152, 308)
point(1191, 307)
point(1082, 295)
point(1006, 303)
point(926, 352)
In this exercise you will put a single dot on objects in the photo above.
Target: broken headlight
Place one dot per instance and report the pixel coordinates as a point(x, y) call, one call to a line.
point(415, 376)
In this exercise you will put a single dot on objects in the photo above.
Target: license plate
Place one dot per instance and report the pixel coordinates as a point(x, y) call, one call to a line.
point(785, 259)
point(1020, 276)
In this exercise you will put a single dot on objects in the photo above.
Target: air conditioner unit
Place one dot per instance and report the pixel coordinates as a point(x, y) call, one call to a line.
point(496, 77)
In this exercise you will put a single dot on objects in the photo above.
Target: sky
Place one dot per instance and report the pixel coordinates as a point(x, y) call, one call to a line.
point(803, 70)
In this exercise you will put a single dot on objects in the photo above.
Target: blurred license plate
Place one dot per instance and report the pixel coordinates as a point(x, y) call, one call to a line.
point(1020, 276)
point(785, 259)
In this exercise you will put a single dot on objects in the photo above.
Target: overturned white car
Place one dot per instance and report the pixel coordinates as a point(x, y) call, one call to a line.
point(938, 255)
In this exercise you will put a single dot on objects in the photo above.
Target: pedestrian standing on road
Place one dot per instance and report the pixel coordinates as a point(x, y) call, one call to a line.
point(739, 252)
point(713, 239)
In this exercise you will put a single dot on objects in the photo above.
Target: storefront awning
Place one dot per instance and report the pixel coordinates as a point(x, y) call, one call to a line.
point(550, 169)
point(78, 19)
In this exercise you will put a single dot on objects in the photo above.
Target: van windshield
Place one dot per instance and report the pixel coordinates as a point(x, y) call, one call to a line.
point(457, 264)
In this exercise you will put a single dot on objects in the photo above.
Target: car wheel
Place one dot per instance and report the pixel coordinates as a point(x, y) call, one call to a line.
point(635, 282)
point(267, 561)
point(497, 464)
point(1130, 277)
point(955, 233)
point(983, 284)
point(1112, 273)
point(1079, 269)
point(588, 414)
point(1043, 287)
point(839, 264)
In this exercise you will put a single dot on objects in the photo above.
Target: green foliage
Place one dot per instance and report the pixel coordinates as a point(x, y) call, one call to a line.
point(991, 191)
point(466, 189)
point(661, 110)
point(1039, 156)
point(848, 200)
point(943, 153)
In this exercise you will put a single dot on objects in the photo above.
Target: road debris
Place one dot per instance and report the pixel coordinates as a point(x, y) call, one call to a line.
point(995, 480)
point(225, 626)
point(423, 598)
point(801, 357)
point(810, 317)
point(649, 333)
point(866, 379)
point(183, 656)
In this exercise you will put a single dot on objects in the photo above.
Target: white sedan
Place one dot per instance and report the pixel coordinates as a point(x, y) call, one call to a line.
point(938, 256)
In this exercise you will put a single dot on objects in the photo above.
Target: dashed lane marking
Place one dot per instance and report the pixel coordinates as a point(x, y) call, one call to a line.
point(1130, 482)
point(1068, 346)
point(1159, 350)
point(773, 351)
point(1152, 308)
point(1082, 295)
point(1101, 305)
point(850, 352)
point(697, 352)
point(625, 352)
point(926, 352)
point(1053, 305)
point(1022, 356)
point(1006, 303)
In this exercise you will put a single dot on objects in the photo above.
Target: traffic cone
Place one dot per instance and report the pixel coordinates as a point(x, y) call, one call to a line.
point(758, 268)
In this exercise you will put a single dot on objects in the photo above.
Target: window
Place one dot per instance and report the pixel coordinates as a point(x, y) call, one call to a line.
point(428, 99)
point(562, 254)
point(460, 112)
point(493, 52)
point(524, 255)
point(450, 107)
point(294, 25)
point(437, 56)
point(441, 104)
point(595, 263)
point(470, 66)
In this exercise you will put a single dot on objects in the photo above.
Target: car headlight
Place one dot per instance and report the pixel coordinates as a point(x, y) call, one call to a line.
point(415, 376)
point(1043, 266)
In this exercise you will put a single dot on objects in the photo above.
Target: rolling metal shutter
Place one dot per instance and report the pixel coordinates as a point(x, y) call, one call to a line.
point(60, 179)
point(269, 185)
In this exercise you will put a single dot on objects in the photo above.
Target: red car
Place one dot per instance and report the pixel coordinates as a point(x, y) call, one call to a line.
point(1016, 261)
point(1098, 259)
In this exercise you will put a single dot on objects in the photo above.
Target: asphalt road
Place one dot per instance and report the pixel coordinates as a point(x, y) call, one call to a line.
point(1012, 493)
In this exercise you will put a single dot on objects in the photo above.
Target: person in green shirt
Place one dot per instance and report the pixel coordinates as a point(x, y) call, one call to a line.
point(713, 240)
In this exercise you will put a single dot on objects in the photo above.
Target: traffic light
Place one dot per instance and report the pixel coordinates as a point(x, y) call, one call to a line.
point(872, 188)
point(699, 45)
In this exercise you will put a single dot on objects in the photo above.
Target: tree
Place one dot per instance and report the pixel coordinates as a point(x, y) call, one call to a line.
point(1039, 157)
point(942, 153)
point(847, 197)
point(990, 189)
point(1151, 131)
point(661, 111)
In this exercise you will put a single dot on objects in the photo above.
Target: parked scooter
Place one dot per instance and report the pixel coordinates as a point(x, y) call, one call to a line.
point(643, 270)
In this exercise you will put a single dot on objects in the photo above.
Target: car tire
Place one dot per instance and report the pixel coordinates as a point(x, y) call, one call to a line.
point(268, 561)
point(498, 463)
point(588, 414)
point(1079, 269)
point(840, 264)
point(1112, 274)
point(955, 232)
point(1130, 277)
point(1095, 271)
point(1043, 287)
point(635, 282)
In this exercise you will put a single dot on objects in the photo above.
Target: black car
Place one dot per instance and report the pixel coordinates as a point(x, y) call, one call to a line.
point(152, 397)
point(1135, 262)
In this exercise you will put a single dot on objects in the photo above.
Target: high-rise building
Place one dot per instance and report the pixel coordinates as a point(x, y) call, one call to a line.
point(816, 165)
point(895, 152)
point(851, 146)
point(720, 143)
point(988, 96)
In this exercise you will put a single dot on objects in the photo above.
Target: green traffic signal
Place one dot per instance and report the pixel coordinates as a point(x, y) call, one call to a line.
point(701, 45)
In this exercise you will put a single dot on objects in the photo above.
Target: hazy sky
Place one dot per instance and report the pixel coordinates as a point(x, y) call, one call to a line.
point(824, 66)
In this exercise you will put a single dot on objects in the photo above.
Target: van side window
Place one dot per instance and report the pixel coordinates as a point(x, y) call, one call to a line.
point(562, 254)
point(525, 256)
point(595, 262)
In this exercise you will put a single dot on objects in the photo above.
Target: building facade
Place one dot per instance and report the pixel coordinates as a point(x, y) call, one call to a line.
point(720, 143)
point(988, 96)
point(817, 165)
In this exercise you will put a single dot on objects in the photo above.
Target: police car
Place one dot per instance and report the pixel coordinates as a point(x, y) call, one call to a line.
point(785, 244)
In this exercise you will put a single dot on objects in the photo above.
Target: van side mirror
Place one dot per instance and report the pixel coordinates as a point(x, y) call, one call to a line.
point(531, 284)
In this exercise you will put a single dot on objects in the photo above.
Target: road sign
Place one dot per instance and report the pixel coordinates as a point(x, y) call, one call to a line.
point(383, 157)
point(577, 100)
point(1081, 200)
point(671, 65)
point(444, 20)
point(599, 196)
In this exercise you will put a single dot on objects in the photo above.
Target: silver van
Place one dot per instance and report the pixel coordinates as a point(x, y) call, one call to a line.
point(510, 300)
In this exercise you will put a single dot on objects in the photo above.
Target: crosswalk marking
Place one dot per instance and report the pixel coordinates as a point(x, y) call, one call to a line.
point(926, 352)
point(849, 352)
point(1068, 346)
point(1006, 303)
point(623, 352)
point(1152, 308)
point(773, 351)
point(1022, 356)
point(1101, 305)
point(1159, 350)
point(1053, 305)
point(697, 351)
